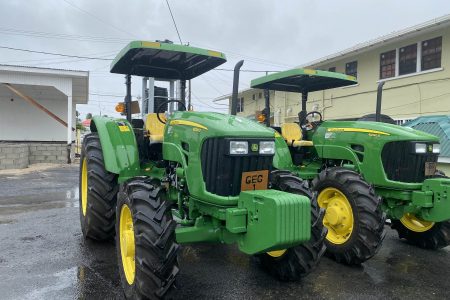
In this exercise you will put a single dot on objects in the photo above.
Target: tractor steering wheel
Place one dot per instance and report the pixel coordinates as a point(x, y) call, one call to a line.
point(314, 112)
point(314, 123)
point(160, 107)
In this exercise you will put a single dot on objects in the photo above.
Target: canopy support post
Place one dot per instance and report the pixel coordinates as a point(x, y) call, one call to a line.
point(128, 97)
point(267, 105)
point(182, 92)
point(302, 113)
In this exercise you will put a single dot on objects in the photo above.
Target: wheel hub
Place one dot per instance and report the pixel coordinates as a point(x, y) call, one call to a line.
point(127, 245)
point(338, 215)
point(84, 186)
point(416, 224)
point(277, 253)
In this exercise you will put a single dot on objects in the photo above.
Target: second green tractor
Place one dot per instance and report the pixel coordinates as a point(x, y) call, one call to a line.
point(364, 172)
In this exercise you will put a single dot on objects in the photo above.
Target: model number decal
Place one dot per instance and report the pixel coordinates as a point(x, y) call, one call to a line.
point(123, 127)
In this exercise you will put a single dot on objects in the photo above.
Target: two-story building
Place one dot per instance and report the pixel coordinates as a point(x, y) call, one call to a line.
point(414, 63)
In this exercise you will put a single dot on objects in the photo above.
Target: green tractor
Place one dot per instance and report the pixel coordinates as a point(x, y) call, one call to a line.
point(184, 177)
point(363, 172)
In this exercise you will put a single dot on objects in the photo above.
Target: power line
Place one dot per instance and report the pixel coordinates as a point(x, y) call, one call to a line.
point(55, 54)
point(174, 23)
point(98, 19)
point(246, 70)
point(110, 59)
point(61, 36)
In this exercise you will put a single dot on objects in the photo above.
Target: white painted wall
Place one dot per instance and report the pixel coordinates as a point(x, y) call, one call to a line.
point(20, 121)
point(52, 88)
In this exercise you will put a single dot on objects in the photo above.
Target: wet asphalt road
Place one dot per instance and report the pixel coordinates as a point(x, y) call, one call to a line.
point(43, 256)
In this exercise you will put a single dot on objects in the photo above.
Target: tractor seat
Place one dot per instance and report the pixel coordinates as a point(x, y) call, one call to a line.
point(155, 128)
point(292, 133)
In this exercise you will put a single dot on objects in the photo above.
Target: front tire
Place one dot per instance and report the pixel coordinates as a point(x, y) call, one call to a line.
point(426, 235)
point(353, 216)
point(145, 243)
point(97, 192)
point(296, 262)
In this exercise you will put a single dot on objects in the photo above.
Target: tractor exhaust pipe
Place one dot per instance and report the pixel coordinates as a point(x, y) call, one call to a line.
point(379, 96)
point(234, 96)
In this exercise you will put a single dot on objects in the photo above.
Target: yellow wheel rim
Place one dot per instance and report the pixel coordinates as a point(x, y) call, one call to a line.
point(276, 253)
point(415, 224)
point(84, 186)
point(127, 247)
point(338, 215)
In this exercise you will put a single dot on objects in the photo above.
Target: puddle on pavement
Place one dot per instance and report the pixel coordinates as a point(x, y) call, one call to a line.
point(25, 203)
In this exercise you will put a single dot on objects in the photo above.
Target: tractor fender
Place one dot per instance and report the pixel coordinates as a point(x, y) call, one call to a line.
point(119, 147)
point(173, 152)
point(340, 153)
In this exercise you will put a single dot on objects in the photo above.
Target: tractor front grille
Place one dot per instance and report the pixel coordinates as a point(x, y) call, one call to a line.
point(222, 172)
point(401, 163)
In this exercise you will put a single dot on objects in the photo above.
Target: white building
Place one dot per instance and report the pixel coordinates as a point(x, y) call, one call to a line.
point(37, 114)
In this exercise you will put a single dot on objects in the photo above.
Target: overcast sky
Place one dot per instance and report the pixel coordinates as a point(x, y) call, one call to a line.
point(268, 35)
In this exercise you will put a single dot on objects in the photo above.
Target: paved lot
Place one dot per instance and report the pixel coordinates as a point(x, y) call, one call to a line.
point(43, 256)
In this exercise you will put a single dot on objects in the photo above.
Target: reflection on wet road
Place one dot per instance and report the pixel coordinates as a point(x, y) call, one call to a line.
point(43, 256)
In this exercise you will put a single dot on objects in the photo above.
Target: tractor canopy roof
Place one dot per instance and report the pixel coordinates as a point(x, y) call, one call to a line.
point(165, 60)
point(302, 80)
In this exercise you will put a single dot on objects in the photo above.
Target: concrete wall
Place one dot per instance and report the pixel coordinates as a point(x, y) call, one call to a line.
point(14, 156)
point(20, 155)
point(21, 121)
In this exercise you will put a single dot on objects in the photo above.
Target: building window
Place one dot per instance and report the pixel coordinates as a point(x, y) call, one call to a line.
point(387, 64)
point(431, 54)
point(351, 68)
point(407, 59)
point(332, 69)
point(240, 105)
point(259, 95)
point(254, 96)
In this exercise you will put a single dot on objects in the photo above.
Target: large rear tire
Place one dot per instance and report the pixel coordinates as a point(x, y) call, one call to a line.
point(296, 262)
point(145, 242)
point(427, 235)
point(354, 217)
point(97, 192)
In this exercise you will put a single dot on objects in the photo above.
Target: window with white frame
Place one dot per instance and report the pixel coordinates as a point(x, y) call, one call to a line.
point(401, 121)
point(351, 68)
point(422, 56)
point(431, 54)
point(407, 59)
point(240, 105)
point(387, 64)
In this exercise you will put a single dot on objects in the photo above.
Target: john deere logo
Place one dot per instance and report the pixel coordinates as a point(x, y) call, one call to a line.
point(254, 147)
point(430, 148)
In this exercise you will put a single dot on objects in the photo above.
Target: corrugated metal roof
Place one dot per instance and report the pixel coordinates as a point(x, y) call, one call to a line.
point(435, 125)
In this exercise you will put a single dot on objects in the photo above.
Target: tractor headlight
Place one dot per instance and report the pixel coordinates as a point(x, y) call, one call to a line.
point(421, 148)
point(267, 147)
point(238, 147)
point(436, 148)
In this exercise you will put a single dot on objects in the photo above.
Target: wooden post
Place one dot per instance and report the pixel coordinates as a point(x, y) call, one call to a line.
point(36, 104)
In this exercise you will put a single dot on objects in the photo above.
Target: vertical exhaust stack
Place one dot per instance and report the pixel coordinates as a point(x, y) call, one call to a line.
point(234, 96)
point(379, 97)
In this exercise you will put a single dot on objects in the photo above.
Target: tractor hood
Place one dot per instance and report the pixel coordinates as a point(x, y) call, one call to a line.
point(217, 124)
point(377, 129)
